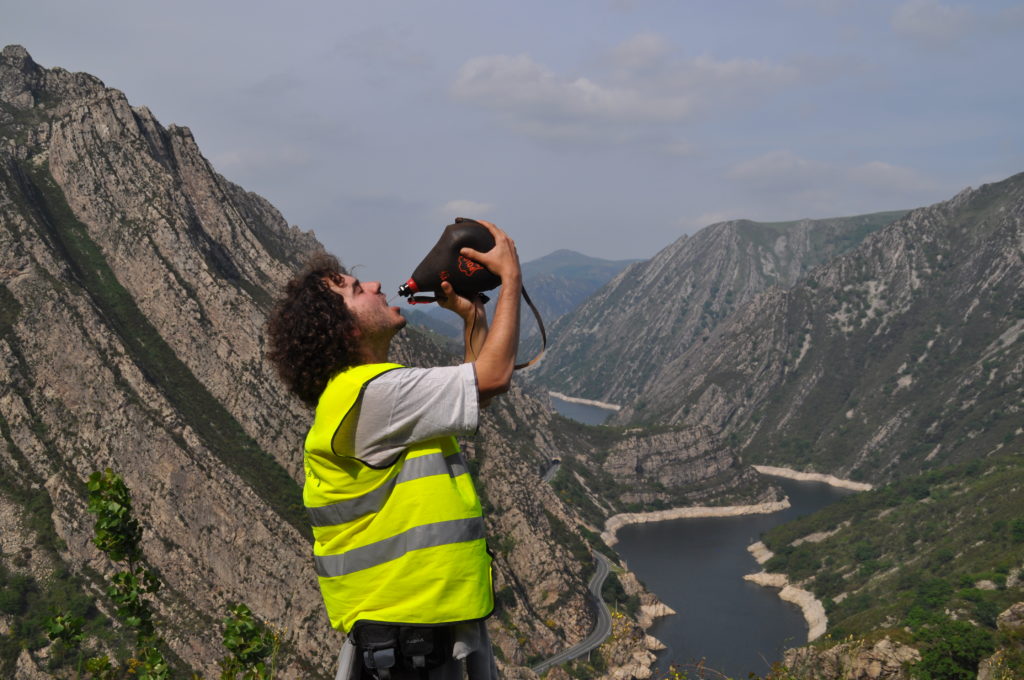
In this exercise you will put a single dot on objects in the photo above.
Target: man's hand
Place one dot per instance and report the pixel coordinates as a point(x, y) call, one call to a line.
point(502, 260)
point(466, 309)
point(495, 361)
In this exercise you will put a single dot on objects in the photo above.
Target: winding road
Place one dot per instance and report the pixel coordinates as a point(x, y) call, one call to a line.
point(602, 629)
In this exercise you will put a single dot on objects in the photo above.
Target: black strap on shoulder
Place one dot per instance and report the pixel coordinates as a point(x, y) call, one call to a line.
point(543, 333)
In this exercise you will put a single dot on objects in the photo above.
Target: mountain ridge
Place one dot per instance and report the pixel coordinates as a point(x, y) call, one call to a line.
point(612, 346)
point(869, 342)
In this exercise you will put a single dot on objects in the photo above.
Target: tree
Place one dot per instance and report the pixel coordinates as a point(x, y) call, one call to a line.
point(252, 646)
point(952, 650)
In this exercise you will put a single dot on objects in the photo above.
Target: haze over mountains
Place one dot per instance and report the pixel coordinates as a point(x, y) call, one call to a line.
point(135, 280)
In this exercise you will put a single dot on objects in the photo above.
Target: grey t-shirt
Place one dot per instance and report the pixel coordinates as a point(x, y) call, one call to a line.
point(408, 405)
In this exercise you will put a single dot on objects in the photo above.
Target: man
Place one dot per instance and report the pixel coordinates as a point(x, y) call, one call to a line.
point(398, 533)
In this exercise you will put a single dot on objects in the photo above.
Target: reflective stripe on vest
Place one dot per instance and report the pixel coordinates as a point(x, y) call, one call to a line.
point(417, 538)
point(424, 466)
point(400, 544)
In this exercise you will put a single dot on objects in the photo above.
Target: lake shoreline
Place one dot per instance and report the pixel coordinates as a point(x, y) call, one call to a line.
point(586, 402)
point(616, 522)
point(796, 475)
point(811, 607)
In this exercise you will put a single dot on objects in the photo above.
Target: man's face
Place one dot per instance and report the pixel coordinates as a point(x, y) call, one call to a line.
point(368, 305)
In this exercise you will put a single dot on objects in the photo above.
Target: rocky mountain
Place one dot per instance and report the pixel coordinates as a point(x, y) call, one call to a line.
point(616, 344)
point(903, 353)
point(134, 286)
point(560, 281)
point(608, 471)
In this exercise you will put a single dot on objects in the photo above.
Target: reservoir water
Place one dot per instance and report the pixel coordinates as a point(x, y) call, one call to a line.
point(584, 413)
point(696, 566)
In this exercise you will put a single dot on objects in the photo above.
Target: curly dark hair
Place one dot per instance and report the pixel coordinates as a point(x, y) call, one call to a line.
point(310, 330)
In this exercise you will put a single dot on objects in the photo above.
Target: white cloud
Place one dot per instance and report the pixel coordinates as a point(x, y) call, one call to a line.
point(877, 174)
point(825, 188)
point(932, 22)
point(779, 167)
point(464, 208)
point(640, 84)
point(521, 84)
point(786, 168)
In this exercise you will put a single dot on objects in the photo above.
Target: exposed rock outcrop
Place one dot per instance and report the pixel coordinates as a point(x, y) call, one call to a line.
point(831, 480)
point(1008, 661)
point(883, 660)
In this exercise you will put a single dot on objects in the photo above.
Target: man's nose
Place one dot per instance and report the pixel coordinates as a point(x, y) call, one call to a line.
point(377, 284)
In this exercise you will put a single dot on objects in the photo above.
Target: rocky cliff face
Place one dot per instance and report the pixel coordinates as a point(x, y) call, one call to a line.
point(618, 343)
point(134, 285)
point(854, 660)
point(901, 353)
point(134, 289)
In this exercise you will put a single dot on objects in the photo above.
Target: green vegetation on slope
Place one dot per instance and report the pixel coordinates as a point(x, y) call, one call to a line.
point(832, 236)
point(930, 553)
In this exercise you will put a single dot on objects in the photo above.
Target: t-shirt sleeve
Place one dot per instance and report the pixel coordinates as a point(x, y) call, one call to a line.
point(409, 405)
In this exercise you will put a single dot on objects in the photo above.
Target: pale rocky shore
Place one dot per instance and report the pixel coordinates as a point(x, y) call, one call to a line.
point(813, 610)
point(616, 522)
point(588, 402)
point(831, 480)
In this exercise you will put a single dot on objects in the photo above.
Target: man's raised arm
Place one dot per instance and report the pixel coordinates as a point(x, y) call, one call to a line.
point(493, 351)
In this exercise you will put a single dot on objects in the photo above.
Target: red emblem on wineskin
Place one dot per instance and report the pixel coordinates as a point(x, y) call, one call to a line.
point(468, 266)
point(444, 275)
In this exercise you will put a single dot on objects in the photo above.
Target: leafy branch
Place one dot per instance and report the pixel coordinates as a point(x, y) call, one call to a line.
point(251, 645)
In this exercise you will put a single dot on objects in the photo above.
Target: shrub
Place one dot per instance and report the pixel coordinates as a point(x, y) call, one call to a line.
point(951, 650)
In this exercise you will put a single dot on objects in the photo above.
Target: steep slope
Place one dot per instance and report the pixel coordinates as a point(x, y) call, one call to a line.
point(617, 343)
point(131, 340)
point(134, 286)
point(901, 354)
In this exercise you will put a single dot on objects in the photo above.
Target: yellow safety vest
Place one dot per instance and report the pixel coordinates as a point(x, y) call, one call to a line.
point(402, 544)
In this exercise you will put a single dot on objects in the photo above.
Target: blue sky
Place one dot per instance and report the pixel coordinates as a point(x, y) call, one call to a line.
point(611, 127)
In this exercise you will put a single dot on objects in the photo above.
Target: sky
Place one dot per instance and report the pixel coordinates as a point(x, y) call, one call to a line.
point(609, 127)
